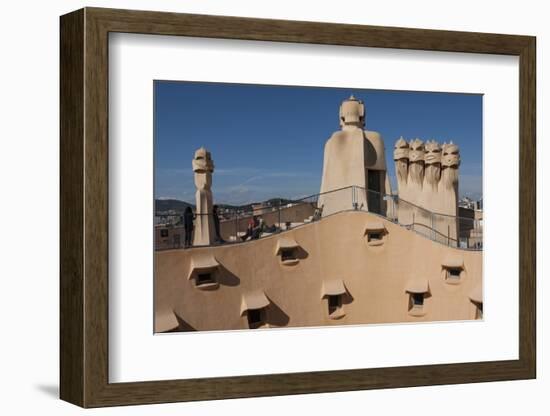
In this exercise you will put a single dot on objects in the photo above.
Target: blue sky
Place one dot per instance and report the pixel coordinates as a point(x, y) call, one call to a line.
point(267, 141)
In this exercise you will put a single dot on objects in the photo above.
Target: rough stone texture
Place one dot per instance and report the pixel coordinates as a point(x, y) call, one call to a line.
point(427, 183)
point(203, 166)
point(350, 155)
point(376, 277)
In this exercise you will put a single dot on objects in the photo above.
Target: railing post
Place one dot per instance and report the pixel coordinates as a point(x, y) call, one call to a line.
point(236, 225)
point(279, 214)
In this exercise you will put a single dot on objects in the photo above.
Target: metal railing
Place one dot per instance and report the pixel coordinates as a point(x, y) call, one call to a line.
point(236, 225)
point(455, 231)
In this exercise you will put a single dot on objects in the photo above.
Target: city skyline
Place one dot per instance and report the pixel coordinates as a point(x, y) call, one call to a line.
point(267, 141)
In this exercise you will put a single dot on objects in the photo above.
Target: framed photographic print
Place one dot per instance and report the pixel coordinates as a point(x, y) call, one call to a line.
point(255, 207)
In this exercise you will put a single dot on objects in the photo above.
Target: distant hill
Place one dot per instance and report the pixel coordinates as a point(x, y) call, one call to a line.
point(164, 205)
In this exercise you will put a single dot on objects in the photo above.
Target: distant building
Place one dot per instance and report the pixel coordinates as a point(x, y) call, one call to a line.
point(259, 209)
point(479, 204)
point(471, 227)
point(167, 218)
point(169, 237)
point(467, 202)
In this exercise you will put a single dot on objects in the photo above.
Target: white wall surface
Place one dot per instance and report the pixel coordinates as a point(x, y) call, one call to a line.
point(29, 159)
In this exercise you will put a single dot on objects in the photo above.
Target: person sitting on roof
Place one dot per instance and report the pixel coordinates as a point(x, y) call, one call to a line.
point(253, 224)
point(318, 213)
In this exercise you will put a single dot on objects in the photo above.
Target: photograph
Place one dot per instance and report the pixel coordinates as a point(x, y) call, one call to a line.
point(258, 203)
point(282, 206)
